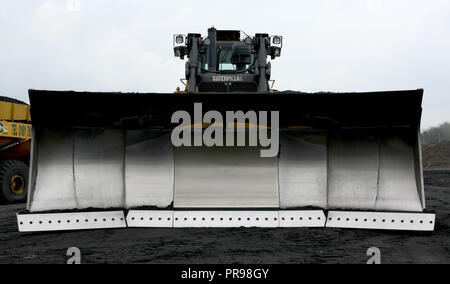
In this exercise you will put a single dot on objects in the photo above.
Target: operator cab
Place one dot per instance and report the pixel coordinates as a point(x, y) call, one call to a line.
point(227, 60)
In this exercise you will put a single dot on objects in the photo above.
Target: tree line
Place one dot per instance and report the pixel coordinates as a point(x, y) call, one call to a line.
point(435, 135)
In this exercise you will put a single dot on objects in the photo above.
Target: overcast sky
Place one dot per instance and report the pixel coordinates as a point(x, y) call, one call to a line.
point(126, 45)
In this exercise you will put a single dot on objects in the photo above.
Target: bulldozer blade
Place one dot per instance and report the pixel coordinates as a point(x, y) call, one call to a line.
point(357, 152)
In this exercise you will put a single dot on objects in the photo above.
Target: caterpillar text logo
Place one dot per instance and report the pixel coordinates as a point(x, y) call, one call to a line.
point(229, 78)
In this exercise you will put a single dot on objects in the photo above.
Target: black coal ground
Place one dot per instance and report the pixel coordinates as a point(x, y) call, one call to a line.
point(235, 245)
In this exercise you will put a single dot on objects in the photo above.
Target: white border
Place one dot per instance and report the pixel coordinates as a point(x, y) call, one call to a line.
point(150, 218)
point(70, 221)
point(302, 218)
point(381, 220)
point(226, 218)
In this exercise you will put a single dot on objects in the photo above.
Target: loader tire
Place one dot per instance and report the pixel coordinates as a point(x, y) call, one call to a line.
point(13, 181)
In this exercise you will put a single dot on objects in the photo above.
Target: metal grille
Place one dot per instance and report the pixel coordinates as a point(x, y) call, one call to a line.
point(228, 87)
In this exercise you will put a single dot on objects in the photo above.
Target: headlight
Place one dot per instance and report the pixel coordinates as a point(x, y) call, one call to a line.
point(177, 51)
point(179, 39)
point(248, 40)
point(277, 52)
point(207, 41)
point(276, 40)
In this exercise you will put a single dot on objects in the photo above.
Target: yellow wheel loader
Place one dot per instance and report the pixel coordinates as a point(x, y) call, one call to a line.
point(15, 141)
point(226, 152)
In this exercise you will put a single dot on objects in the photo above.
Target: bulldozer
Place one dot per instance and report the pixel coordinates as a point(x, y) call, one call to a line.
point(227, 151)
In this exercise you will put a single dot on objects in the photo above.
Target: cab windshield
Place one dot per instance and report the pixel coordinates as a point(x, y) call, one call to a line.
point(223, 60)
